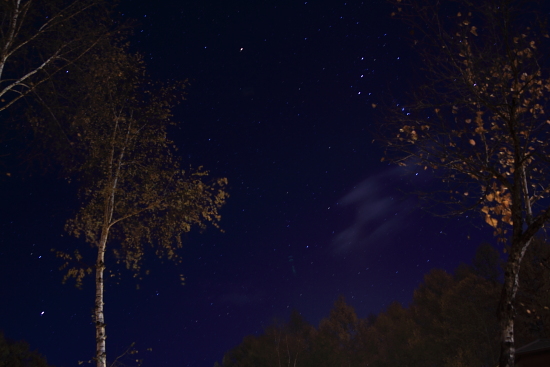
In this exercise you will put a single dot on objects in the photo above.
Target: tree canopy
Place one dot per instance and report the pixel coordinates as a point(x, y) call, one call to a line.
point(18, 354)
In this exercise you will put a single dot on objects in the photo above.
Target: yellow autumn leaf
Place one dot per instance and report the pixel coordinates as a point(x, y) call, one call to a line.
point(479, 120)
point(491, 221)
point(490, 196)
point(508, 219)
point(472, 141)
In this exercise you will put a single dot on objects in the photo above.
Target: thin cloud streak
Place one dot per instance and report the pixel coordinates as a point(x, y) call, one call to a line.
point(380, 213)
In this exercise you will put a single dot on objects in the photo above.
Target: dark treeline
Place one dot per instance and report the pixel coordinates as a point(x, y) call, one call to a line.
point(451, 321)
point(18, 354)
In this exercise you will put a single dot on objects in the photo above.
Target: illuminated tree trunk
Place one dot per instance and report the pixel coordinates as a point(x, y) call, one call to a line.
point(109, 203)
point(101, 359)
point(507, 311)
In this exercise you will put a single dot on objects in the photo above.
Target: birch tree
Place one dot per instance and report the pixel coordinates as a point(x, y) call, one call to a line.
point(479, 122)
point(135, 196)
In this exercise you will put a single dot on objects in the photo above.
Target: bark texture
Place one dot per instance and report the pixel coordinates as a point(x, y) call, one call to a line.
point(101, 354)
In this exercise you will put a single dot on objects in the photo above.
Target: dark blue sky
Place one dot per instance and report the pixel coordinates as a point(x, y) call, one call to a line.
point(280, 103)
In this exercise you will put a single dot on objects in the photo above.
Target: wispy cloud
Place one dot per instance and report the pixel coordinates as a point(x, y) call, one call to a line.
point(381, 212)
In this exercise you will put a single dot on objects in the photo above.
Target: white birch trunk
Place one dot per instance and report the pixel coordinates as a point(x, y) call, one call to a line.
point(507, 311)
point(101, 356)
point(115, 164)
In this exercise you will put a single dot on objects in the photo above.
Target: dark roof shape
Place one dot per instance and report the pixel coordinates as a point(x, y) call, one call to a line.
point(536, 346)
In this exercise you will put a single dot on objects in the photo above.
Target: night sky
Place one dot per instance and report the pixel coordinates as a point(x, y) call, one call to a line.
point(280, 102)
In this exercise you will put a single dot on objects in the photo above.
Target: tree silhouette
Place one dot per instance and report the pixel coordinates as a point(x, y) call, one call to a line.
point(451, 322)
point(336, 336)
point(18, 354)
point(280, 345)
